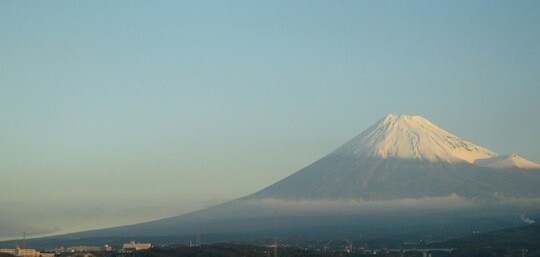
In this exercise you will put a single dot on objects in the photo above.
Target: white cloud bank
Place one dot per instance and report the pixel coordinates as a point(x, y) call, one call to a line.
point(452, 201)
point(352, 206)
point(526, 220)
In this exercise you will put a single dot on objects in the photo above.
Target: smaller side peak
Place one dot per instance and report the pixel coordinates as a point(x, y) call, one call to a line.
point(507, 161)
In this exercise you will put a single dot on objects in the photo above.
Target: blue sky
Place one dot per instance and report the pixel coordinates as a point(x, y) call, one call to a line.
point(121, 112)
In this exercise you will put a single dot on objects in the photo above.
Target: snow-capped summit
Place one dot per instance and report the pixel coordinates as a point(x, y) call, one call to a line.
point(507, 161)
point(412, 137)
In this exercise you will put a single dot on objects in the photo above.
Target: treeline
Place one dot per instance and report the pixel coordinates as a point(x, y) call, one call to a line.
point(228, 250)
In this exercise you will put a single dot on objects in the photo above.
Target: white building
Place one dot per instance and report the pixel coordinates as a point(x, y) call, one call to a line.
point(132, 246)
point(83, 248)
point(21, 252)
point(8, 251)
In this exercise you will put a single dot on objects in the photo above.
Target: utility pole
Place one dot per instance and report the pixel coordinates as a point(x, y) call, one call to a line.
point(350, 245)
point(326, 246)
point(24, 240)
point(275, 245)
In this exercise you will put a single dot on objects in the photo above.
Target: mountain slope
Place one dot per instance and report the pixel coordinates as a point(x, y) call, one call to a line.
point(403, 168)
point(335, 177)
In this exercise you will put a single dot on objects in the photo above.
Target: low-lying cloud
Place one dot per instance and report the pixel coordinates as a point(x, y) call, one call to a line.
point(449, 202)
point(526, 220)
point(39, 219)
point(10, 228)
point(452, 201)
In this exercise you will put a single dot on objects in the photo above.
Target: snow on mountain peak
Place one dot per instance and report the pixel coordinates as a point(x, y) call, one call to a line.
point(507, 161)
point(412, 137)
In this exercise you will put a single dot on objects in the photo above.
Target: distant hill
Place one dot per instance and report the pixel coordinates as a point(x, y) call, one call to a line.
point(527, 237)
point(506, 242)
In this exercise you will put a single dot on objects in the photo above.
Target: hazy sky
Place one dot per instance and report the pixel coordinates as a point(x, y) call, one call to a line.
point(114, 112)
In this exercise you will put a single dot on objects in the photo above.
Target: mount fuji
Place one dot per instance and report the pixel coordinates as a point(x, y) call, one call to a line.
point(404, 156)
point(402, 172)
